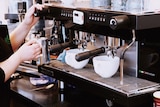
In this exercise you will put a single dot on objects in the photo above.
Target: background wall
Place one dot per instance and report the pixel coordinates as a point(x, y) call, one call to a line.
point(3, 10)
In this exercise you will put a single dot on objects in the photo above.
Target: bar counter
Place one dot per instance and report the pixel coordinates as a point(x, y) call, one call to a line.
point(24, 95)
point(134, 92)
point(82, 88)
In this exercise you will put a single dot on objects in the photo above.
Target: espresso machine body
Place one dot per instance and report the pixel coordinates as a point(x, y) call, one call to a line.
point(138, 36)
point(141, 60)
point(117, 24)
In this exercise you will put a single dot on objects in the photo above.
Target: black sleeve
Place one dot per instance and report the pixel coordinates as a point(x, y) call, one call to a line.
point(2, 76)
point(5, 43)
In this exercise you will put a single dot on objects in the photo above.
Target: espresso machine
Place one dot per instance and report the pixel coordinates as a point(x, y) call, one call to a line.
point(132, 37)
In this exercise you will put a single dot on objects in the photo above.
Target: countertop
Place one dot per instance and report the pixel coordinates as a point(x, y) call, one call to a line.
point(135, 92)
point(81, 89)
point(23, 92)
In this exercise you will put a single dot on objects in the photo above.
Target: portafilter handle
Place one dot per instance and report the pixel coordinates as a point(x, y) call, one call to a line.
point(87, 54)
point(42, 12)
point(47, 11)
point(61, 46)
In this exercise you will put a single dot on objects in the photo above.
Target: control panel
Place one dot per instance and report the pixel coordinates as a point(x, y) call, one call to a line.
point(67, 13)
point(103, 17)
point(97, 17)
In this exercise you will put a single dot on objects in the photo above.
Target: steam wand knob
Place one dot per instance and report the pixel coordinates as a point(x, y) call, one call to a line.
point(119, 22)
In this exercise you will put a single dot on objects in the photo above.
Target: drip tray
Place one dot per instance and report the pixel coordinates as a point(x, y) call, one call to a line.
point(131, 85)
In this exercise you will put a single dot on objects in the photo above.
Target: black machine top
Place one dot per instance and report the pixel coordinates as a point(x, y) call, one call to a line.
point(105, 16)
point(104, 21)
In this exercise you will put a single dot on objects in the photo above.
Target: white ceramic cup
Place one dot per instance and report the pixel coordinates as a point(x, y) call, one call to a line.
point(106, 66)
point(71, 61)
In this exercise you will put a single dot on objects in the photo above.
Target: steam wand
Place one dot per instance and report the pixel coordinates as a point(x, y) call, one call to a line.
point(122, 56)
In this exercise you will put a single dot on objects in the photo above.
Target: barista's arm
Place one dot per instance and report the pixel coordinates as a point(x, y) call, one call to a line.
point(28, 51)
point(8, 67)
point(18, 35)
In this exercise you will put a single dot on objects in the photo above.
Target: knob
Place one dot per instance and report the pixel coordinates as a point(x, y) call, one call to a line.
point(119, 22)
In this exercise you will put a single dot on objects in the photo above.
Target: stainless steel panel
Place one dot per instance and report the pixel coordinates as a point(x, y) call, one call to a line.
point(132, 85)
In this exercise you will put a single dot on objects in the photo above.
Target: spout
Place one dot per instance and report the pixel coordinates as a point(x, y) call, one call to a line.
point(113, 45)
point(122, 56)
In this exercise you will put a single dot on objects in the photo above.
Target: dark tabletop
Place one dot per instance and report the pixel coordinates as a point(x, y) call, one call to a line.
point(53, 97)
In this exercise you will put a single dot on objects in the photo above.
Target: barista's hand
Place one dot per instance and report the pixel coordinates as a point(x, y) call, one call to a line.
point(30, 19)
point(19, 34)
point(29, 51)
